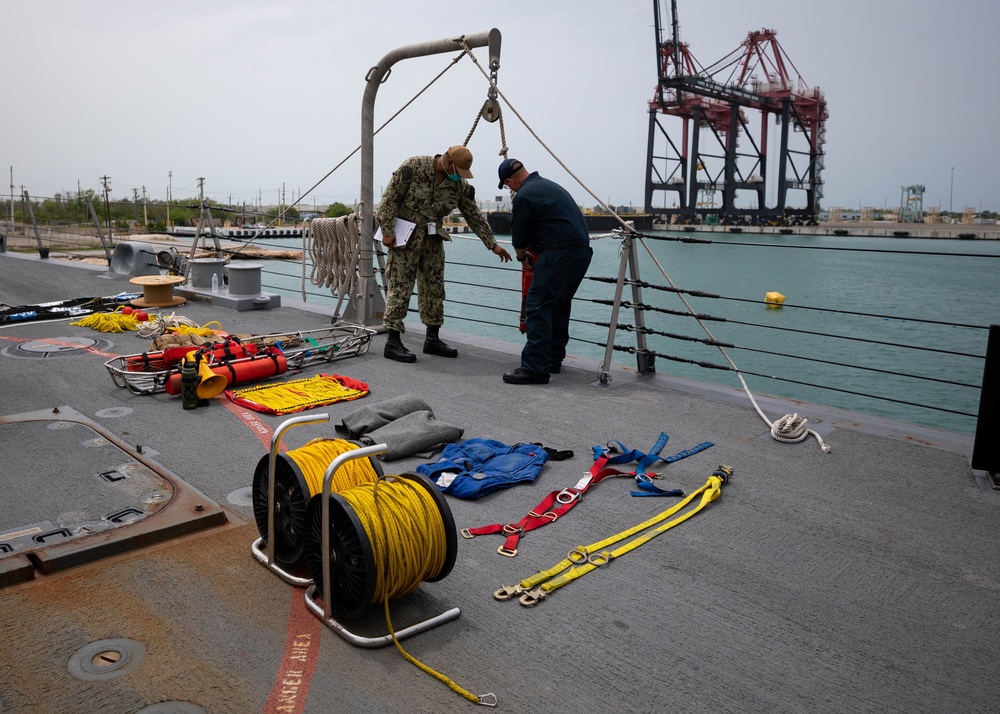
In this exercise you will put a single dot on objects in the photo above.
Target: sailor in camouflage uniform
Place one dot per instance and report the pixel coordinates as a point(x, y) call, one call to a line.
point(423, 190)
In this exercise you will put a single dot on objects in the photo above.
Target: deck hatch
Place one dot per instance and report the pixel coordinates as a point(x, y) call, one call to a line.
point(80, 494)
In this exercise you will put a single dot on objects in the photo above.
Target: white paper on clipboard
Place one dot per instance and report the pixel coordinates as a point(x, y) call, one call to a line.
point(404, 229)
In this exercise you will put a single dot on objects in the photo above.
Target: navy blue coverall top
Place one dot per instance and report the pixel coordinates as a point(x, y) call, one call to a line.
point(546, 220)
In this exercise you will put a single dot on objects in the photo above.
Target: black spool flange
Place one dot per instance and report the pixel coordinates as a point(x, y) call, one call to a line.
point(291, 496)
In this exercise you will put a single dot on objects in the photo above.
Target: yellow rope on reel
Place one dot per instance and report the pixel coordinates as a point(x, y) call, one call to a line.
point(406, 533)
point(314, 457)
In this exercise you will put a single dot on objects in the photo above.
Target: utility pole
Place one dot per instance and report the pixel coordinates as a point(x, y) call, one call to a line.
point(12, 198)
point(106, 183)
point(951, 196)
point(145, 215)
point(170, 187)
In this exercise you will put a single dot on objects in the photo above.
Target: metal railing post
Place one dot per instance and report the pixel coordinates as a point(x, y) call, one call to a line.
point(986, 448)
point(43, 252)
point(100, 232)
point(644, 361)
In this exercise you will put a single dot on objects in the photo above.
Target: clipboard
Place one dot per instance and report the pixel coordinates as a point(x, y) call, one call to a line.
point(404, 229)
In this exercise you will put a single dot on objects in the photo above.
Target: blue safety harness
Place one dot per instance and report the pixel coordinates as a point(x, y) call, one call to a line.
point(558, 503)
point(617, 453)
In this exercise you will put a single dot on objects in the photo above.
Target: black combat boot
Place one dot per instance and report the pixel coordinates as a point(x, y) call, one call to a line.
point(394, 349)
point(434, 346)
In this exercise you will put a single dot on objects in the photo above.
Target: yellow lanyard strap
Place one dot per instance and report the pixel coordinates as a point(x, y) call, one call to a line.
point(587, 558)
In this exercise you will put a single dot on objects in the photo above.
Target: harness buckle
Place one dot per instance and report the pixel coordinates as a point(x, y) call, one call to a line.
point(578, 555)
point(599, 559)
point(532, 597)
point(566, 496)
point(506, 551)
point(507, 592)
point(467, 534)
point(511, 529)
point(551, 515)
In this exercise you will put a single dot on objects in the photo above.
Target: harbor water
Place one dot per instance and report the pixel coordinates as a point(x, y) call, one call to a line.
point(915, 292)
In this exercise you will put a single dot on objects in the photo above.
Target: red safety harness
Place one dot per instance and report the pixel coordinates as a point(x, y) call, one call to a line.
point(558, 503)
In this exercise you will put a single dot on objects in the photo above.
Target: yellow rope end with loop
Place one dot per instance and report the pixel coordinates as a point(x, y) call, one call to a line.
point(410, 544)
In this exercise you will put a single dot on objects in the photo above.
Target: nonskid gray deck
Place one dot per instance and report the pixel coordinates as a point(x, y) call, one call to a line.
point(860, 580)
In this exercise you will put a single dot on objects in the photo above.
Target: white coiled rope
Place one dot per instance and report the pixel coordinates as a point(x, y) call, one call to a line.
point(159, 324)
point(332, 247)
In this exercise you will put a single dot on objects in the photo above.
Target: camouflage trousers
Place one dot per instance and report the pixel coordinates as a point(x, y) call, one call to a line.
point(422, 263)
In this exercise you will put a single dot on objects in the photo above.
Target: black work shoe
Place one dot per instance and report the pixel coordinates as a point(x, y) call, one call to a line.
point(434, 346)
point(519, 376)
point(556, 368)
point(398, 352)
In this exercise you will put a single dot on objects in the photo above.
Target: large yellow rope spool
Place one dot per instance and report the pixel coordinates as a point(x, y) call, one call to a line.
point(385, 539)
point(298, 478)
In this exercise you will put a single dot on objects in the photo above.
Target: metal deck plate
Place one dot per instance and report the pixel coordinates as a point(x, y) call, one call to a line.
point(73, 493)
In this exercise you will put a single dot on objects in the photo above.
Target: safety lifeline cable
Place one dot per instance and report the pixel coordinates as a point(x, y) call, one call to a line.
point(583, 559)
point(407, 535)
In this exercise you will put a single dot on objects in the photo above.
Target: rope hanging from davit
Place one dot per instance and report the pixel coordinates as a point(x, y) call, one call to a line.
point(331, 246)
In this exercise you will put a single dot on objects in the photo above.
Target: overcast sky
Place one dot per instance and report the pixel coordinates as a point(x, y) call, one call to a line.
point(257, 97)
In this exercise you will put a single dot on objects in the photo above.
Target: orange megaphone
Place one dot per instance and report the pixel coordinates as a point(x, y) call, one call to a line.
point(209, 383)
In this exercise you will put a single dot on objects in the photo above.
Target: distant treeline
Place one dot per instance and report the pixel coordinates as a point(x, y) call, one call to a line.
point(72, 210)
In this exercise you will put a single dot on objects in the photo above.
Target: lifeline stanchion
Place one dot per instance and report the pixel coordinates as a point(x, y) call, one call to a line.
point(266, 558)
point(352, 534)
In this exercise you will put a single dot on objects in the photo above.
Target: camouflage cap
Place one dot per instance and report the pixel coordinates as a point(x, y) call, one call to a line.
point(463, 160)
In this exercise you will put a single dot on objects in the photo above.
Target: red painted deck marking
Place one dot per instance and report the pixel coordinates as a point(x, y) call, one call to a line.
point(291, 684)
point(298, 663)
point(259, 428)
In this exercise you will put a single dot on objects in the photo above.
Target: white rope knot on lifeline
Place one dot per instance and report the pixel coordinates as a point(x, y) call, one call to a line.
point(791, 429)
point(331, 248)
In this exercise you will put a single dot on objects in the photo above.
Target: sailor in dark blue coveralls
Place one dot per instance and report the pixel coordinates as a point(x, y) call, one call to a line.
point(545, 220)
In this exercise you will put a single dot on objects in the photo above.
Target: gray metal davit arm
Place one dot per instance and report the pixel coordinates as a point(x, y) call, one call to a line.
point(365, 311)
